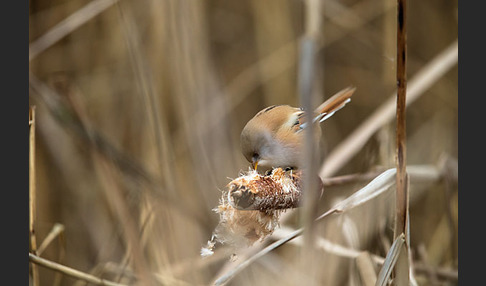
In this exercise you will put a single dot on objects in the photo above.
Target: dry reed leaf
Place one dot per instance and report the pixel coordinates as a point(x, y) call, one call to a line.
point(250, 207)
point(391, 259)
point(377, 186)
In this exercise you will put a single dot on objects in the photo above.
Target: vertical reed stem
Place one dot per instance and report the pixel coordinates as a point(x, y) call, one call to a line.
point(401, 195)
point(306, 84)
point(33, 241)
point(401, 271)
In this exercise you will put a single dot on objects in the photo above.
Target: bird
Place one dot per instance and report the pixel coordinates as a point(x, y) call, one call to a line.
point(274, 138)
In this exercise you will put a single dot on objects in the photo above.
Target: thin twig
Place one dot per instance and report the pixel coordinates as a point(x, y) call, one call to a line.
point(70, 271)
point(421, 81)
point(350, 178)
point(57, 229)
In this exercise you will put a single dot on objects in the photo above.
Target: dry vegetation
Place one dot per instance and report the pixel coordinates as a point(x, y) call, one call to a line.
point(135, 134)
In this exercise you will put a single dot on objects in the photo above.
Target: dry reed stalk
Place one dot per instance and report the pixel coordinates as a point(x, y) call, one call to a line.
point(118, 202)
point(401, 135)
point(308, 86)
point(32, 193)
point(402, 269)
point(70, 271)
point(366, 269)
point(149, 97)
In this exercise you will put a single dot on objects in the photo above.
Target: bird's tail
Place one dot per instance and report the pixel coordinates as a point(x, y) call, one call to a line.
point(334, 103)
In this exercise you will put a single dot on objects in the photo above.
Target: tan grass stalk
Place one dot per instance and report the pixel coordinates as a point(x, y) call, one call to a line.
point(32, 193)
point(149, 97)
point(70, 271)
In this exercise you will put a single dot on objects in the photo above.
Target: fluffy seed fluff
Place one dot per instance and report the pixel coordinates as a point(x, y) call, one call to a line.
point(251, 206)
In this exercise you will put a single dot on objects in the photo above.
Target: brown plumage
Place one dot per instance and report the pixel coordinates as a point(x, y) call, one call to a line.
point(273, 137)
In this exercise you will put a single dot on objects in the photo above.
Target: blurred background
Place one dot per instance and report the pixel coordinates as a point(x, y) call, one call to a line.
point(139, 108)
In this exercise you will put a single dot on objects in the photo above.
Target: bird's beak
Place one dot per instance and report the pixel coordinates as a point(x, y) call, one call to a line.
point(255, 165)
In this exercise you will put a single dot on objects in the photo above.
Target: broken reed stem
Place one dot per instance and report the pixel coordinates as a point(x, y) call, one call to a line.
point(32, 201)
point(57, 230)
point(70, 271)
point(402, 192)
